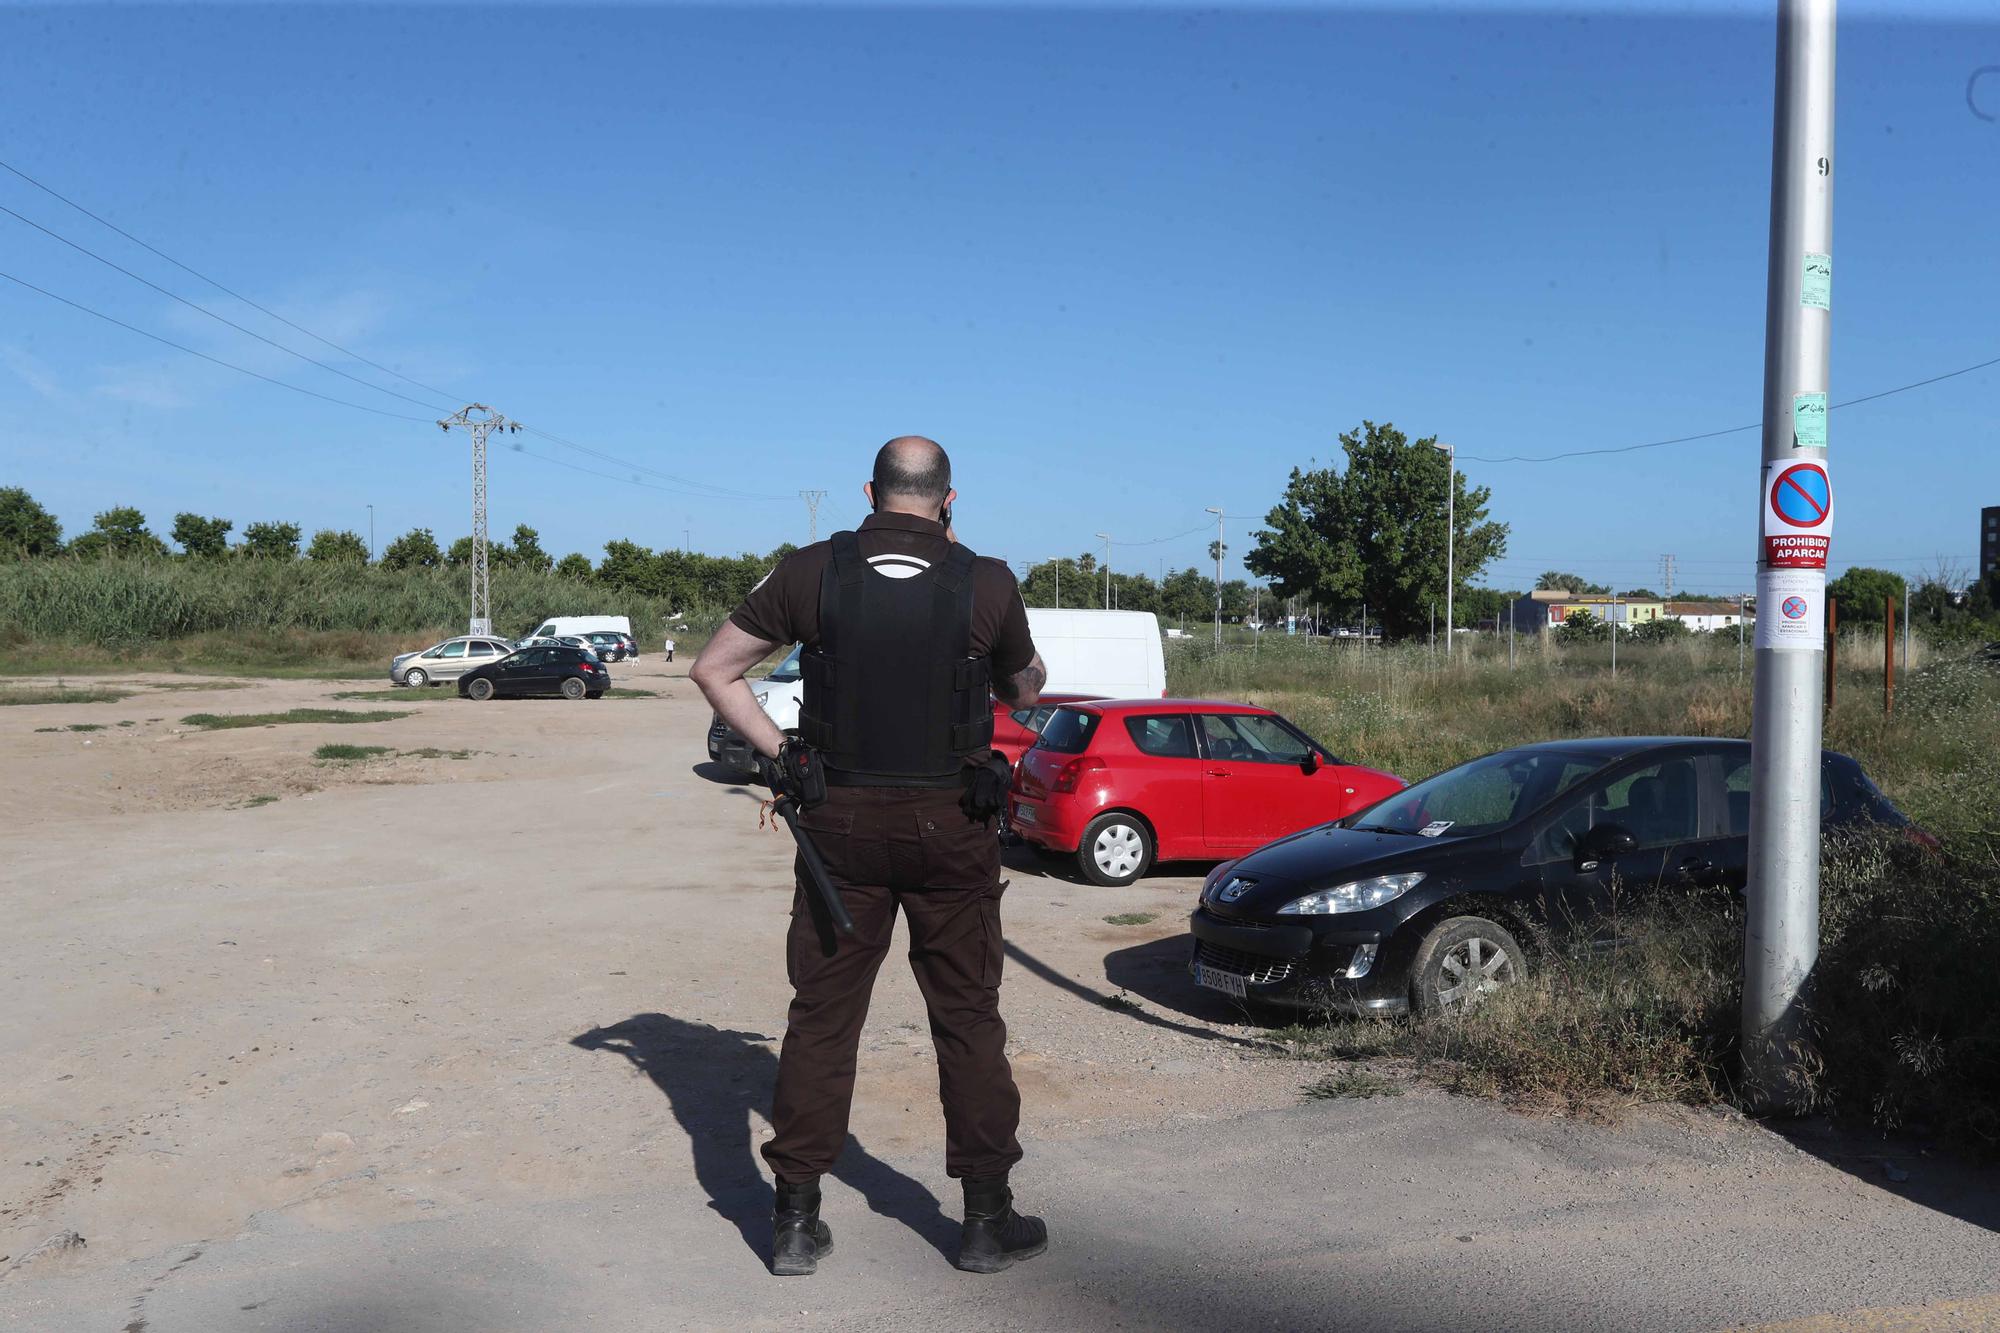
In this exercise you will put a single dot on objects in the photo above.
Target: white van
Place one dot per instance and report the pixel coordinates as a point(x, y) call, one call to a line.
point(1110, 654)
point(556, 627)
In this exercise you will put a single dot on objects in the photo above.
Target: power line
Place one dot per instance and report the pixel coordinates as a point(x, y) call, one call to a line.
point(1732, 430)
point(1160, 541)
point(428, 388)
point(696, 487)
point(231, 365)
point(193, 305)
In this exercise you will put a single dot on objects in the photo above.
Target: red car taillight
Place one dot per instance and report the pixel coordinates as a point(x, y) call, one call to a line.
point(1072, 773)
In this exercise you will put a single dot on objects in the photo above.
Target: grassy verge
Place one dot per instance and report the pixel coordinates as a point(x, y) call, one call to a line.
point(227, 721)
point(62, 694)
point(1903, 1007)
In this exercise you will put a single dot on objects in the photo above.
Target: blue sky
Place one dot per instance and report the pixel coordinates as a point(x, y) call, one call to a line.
point(1124, 262)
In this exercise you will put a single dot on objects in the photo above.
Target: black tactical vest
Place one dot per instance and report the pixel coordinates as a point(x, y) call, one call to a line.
point(893, 695)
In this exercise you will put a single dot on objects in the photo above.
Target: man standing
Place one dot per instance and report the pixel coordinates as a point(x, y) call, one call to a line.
point(907, 635)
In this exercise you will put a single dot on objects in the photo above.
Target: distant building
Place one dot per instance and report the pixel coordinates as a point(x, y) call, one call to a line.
point(1545, 608)
point(1989, 540)
point(1704, 616)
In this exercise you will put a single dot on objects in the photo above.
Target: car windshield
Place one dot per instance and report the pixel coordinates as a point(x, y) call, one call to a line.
point(1479, 797)
point(787, 671)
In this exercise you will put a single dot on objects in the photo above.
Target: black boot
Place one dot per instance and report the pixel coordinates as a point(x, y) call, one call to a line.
point(994, 1235)
point(799, 1240)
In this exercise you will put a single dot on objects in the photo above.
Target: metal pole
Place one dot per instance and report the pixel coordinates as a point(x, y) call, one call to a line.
point(1450, 535)
point(1907, 599)
point(1218, 577)
point(1742, 611)
point(1781, 929)
point(1889, 654)
point(1614, 647)
point(371, 534)
point(1055, 572)
point(1510, 639)
point(1105, 538)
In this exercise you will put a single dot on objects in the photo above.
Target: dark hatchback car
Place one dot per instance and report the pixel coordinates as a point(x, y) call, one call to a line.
point(1425, 899)
point(543, 669)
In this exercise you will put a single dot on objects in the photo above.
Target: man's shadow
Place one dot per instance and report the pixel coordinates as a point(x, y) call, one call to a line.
point(714, 1080)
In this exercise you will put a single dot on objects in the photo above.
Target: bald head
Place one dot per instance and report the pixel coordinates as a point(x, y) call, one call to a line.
point(912, 474)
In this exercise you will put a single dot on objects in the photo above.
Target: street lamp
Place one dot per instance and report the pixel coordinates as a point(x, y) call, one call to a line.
point(1218, 574)
point(1105, 537)
point(371, 534)
point(1450, 453)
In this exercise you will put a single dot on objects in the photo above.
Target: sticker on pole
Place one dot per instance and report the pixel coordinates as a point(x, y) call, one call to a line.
point(1808, 421)
point(1798, 515)
point(1791, 609)
point(1816, 281)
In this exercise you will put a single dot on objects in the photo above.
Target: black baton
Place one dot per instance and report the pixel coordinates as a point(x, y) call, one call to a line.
point(788, 810)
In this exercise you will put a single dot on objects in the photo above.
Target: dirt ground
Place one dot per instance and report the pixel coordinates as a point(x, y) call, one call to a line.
point(479, 1034)
point(359, 999)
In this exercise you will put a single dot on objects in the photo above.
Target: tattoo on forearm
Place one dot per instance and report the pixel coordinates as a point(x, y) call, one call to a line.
point(1027, 681)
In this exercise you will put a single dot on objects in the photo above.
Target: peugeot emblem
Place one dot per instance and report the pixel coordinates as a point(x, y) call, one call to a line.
point(1234, 889)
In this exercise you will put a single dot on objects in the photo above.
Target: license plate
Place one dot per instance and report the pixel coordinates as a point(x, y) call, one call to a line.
point(1229, 983)
point(1024, 813)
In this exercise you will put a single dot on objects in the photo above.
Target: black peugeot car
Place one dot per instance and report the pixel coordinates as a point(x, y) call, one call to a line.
point(1425, 899)
point(572, 673)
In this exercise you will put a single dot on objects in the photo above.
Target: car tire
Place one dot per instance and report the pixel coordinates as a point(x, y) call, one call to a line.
point(480, 690)
point(1115, 850)
point(416, 678)
point(574, 688)
point(1462, 960)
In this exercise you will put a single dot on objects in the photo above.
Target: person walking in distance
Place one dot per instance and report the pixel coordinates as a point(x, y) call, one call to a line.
point(907, 635)
point(670, 650)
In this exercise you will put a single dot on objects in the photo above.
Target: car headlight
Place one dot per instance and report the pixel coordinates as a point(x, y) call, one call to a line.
point(763, 701)
point(1357, 896)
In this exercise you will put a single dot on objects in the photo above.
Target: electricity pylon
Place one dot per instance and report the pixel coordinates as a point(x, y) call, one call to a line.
point(479, 428)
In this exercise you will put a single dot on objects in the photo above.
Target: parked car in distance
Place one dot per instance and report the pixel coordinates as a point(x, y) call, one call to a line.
point(1119, 784)
point(1432, 897)
point(608, 644)
point(447, 660)
point(1015, 730)
point(780, 694)
point(544, 669)
point(557, 626)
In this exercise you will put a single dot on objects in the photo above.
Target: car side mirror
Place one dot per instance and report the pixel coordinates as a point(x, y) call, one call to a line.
point(1310, 764)
point(1603, 842)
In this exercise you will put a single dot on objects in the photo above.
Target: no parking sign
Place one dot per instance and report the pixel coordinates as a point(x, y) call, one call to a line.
point(1798, 515)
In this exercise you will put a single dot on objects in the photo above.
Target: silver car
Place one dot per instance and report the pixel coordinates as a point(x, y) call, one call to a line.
point(447, 660)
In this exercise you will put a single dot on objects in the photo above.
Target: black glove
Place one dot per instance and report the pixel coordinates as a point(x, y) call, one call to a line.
point(986, 793)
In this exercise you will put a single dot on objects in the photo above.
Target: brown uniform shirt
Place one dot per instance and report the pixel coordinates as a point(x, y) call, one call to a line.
point(784, 608)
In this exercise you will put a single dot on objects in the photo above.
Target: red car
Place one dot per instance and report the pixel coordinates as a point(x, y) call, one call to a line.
point(1122, 783)
point(1015, 732)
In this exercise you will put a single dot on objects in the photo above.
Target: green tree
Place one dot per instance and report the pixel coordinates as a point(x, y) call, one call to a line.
point(271, 541)
point(1581, 627)
point(119, 531)
point(1477, 606)
point(575, 565)
point(1188, 595)
point(202, 538)
point(1664, 630)
point(1556, 580)
point(1375, 532)
point(338, 547)
point(415, 549)
point(26, 529)
point(527, 552)
point(1642, 595)
point(1858, 594)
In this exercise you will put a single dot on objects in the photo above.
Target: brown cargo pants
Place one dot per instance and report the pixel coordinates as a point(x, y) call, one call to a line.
point(886, 847)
